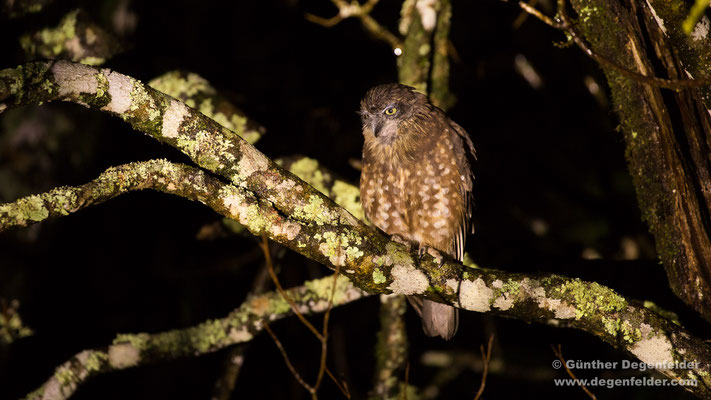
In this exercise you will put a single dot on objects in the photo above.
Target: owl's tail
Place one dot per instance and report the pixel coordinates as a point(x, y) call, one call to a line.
point(437, 319)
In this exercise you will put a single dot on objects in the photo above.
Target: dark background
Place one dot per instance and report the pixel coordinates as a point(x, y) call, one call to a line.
point(551, 185)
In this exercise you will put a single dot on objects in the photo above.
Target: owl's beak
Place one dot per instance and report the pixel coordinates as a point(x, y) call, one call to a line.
point(376, 124)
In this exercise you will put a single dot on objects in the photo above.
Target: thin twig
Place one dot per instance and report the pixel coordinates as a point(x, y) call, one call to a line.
point(527, 11)
point(286, 359)
point(406, 384)
point(322, 337)
point(326, 316)
point(559, 353)
point(565, 24)
point(362, 12)
point(265, 248)
point(342, 385)
point(485, 357)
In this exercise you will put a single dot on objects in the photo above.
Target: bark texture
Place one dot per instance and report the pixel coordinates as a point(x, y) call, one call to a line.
point(667, 134)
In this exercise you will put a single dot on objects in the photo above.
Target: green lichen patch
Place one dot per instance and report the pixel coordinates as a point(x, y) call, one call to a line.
point(505, 293)
point(65, 376)
point(50, 42)
point(239, 207)
point(197, 92)
point(11, 325)
point(278, 306)
point(316, 211)
point(76, 38)
point(590, 298)
point(378, 276)
point(144, 113)
point(31, 208)
point(321, 289)
point(138, 340)
point(206, 149)
point(95, 360)
point(340, 247)
point(12, 81)
point(621, 329)
point(182, 85)
point(209, 334)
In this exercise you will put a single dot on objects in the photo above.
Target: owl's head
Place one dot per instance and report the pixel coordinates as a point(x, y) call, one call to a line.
point(388, 112)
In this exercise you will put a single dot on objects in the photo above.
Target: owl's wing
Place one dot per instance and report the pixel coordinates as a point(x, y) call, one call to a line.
point(465, 161)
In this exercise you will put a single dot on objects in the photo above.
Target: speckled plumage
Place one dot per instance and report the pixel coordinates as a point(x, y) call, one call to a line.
point(417, 180)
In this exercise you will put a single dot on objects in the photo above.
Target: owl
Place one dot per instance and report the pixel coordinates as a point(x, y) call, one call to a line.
point(416, 182)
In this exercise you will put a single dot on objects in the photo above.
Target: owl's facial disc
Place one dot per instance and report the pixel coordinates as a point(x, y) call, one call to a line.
point(386, 130)
point(382, 121)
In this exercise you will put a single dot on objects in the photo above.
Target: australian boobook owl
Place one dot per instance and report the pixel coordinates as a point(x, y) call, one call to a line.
point(416, 181)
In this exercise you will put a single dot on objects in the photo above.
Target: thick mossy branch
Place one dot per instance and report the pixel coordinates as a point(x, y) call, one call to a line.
point(270, 200)
point(241, 325)
point(170, 121)
point(669, 165)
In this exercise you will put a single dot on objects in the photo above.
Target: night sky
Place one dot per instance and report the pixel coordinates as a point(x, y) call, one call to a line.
point(552, 191)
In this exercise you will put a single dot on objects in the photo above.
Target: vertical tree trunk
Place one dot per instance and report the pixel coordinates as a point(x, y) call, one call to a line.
point(667, 133)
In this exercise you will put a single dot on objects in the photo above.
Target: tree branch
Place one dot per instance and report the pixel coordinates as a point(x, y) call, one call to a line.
point(241, 325)
point(160, 175)
point(18, 8)
point(76, 38)
point(568, 26)
point(196, 92)
point(269, 200)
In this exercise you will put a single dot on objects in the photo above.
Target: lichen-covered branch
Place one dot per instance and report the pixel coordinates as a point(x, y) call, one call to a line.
point(234, 359)
point(11, 325)
point(343, 193)
point(160, 175)
point(241, 325)
point(18, 8)
point(196, 92)
point(269, 200)
point(76, 38)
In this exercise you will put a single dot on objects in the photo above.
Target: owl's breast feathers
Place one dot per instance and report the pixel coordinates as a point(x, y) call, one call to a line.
point(426, 197)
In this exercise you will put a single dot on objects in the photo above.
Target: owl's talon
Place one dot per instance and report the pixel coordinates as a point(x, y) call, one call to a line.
point(399, 239)
point(433, 252)
point(437, 256)
point(421, 250)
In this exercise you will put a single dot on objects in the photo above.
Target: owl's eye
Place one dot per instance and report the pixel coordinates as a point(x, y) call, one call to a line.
point(390, 110)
